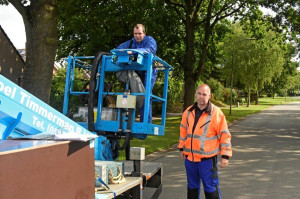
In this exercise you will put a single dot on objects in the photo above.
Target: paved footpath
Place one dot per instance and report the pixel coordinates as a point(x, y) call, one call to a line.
point(265, 162)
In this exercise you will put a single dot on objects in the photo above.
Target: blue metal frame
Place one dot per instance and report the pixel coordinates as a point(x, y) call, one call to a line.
point(121, 61)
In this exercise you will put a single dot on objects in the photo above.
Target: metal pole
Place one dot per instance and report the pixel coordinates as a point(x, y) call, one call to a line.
point(231, 84)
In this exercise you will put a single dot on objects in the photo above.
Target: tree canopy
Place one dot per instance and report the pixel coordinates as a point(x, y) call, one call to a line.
point(256, 62)
point(188, 33)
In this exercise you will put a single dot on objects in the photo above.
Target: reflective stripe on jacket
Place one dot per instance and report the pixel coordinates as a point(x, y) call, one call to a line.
point(210, 137)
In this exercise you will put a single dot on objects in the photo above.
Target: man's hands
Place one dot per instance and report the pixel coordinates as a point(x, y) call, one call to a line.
point(182, 156)
point(224, 162)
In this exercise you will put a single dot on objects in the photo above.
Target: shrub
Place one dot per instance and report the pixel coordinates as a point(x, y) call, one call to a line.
point(226, 95)
point(216, 89)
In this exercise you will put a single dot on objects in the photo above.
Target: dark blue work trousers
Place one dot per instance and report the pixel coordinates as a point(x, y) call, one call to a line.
point(205, 172)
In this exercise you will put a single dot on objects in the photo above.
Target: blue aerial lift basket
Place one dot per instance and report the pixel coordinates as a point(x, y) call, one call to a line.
point(118, 61)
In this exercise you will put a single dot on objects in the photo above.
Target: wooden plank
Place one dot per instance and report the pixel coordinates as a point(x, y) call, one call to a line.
point(130, 183)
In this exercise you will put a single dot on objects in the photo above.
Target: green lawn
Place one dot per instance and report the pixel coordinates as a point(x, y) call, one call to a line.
point(157, 143)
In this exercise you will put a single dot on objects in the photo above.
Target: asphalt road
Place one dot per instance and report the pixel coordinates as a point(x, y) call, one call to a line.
point(265, 162)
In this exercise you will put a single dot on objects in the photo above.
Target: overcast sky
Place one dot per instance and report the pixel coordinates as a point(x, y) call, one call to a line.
point(12, 23)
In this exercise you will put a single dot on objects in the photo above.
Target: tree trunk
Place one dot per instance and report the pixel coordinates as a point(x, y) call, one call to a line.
point(189, 91)
point(192, 11)
point(41, 21)
point(248, 100)
point(256, 98)
point(189, 60)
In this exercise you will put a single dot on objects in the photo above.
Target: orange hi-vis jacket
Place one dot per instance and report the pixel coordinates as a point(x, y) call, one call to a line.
point(210, 136)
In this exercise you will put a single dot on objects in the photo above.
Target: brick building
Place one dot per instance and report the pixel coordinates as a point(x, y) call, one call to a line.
point(11, 61)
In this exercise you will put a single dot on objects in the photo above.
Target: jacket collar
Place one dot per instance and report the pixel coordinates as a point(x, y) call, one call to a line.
point(208, 108)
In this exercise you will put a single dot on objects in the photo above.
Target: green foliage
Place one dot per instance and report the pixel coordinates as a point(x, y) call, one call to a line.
point(3, 2)
point(58, 89)
point(205, 26)
point(254, 61)
point(216, 89)
point(175, 95)
point(226, 96)
point(188, 35)
point(86, 27)
point(287, 16)
point(289, 76)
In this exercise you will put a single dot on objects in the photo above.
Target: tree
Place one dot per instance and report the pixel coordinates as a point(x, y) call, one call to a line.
point(40, 20)
point(185, 32)
point(287, 16)
point(86, 27)
point(271, 61)
point(202, 17)
point(260, 26)
point(253, 62)
point(288, 77)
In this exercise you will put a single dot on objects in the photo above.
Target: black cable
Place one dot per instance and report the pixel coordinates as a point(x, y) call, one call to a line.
point(93, 82)
point(128, 132)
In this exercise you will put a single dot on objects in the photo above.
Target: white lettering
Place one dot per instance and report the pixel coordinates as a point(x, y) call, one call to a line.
point(33, 106)
point(51, 129)
point(1, 86)
point(24, 95)
point(28, 101)
point(38, 123)
point(34, 120)
point(7, 91)
point(60, 122)
point(70, 128)
point(54, 117)
point(43, 116)
point(43, 112)
point(50, 116)
point(13, 93)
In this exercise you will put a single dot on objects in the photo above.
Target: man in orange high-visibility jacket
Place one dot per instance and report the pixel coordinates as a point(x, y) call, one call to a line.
point(203, 135)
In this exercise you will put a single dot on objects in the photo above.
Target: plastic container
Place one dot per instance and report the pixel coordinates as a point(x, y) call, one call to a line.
point(109, 114)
